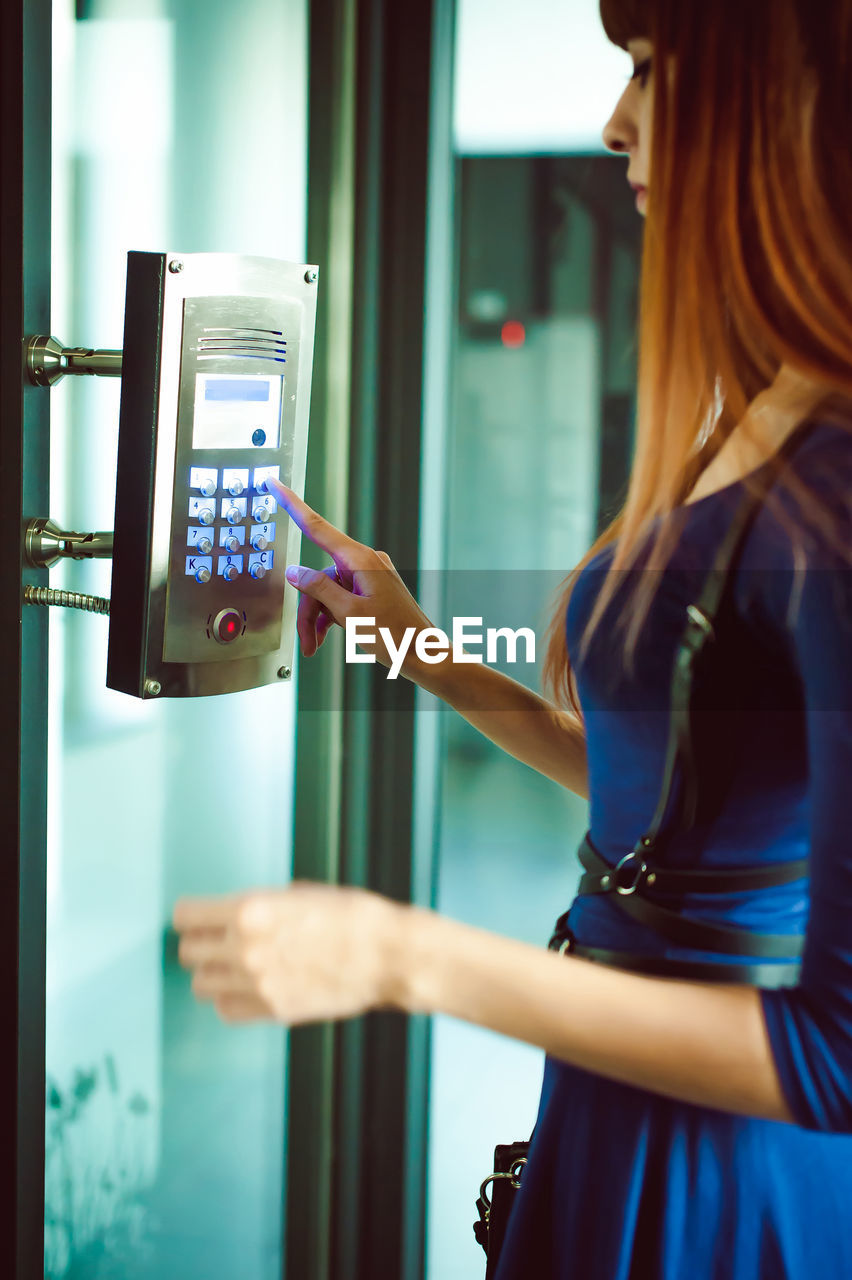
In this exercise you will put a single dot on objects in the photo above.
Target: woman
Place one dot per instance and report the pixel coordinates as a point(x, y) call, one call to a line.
point(687, 1127)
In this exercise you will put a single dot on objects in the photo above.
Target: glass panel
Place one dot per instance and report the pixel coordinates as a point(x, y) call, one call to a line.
point(177, 126)
point(537, 457)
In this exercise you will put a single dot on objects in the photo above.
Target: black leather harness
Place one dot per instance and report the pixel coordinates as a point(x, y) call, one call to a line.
point(636, 877)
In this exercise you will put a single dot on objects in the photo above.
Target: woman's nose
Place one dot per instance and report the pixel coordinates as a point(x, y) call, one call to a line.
point(617, 130)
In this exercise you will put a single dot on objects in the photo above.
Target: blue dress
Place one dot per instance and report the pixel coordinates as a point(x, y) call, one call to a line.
point(625, 1184)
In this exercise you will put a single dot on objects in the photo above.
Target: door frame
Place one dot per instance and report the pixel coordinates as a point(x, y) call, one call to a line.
point(25, 181)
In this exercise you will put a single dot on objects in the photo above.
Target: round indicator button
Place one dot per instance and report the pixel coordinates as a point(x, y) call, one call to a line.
point(258, 437)
point(231, 543)
point(258, 571)
point(205, 546)
point(227, 626)
point(202, 574)
point(236, 486)
point(234, 515)
point(230, 572)
point(206, 516)
point(259, 542)
point(208, 487)
point(261, 514)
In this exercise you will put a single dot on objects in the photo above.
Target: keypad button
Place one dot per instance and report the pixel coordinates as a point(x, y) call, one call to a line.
point(260, 513)
point(235, 480)
point(199, 565)
point(206, 516)
point(233, 538)
point(199, 539)
point(259, 542)
point(260, 474)
point(260, 559)
point(205, 546)
point(258, 571)
point(230, 567)
point(265, 531)
point(233, 509)
point(205, 479)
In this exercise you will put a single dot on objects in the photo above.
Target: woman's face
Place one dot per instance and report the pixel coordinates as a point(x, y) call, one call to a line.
point(629, 127)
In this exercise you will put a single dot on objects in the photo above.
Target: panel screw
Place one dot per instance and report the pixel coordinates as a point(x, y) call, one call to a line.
point(153, 688)
point(311, 276)
point(175, 266)
point(283, 673)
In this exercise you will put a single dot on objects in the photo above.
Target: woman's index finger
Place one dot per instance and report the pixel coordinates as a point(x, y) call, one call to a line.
point(314, 526)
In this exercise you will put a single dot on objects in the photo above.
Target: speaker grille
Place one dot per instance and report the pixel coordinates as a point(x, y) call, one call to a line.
point(242, 344)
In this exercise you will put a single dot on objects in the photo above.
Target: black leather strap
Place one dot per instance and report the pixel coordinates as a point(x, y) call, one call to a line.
point(602, 878)
point(755, 975)
point(688, 931)
point(641, 869)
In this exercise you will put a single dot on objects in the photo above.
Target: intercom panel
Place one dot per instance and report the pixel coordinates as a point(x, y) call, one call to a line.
point(216, 380)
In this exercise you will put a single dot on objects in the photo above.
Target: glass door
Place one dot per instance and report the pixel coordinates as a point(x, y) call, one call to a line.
point(177, 125)
point(537, 449)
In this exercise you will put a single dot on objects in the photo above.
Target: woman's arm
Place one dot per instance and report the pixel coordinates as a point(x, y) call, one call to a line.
point(521, 722)
point(704, 1043)
point(313, 952)
point(364, 584)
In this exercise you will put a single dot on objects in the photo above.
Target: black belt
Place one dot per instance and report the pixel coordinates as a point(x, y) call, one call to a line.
point(627, 881)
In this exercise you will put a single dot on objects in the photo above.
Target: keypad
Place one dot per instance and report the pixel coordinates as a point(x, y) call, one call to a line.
point(230, 511)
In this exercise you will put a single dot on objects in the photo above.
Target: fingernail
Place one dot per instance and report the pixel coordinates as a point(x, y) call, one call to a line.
point(293, 573)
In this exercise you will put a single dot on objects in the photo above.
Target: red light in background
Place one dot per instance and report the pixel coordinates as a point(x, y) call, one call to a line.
point(513, 334)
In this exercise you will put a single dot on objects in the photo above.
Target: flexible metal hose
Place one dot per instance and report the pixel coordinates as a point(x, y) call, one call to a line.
point(68, 599)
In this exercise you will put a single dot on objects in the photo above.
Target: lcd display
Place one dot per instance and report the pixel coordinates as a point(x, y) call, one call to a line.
point(237, 411)
point(236, 389)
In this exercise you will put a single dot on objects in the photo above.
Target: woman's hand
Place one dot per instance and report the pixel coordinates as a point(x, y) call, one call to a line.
point(306, 953)
point(362, 583)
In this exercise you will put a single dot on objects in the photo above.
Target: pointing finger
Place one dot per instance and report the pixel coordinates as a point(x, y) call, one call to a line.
point(325, 535)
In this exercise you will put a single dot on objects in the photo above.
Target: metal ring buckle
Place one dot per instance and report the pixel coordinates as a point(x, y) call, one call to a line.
point(640, 871)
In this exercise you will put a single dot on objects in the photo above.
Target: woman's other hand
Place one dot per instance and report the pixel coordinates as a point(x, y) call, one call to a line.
point(306, 953)
point(362, 583)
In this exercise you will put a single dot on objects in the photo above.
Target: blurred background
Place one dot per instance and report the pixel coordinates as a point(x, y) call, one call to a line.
point(188, 126)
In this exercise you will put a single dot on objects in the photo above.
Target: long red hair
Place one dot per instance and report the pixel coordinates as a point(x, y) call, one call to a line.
point(746, 261)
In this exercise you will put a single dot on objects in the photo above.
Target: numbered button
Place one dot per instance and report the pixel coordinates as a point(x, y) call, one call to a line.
point(235, 480)
point(260, 474)
point(233, 510)
point(230, 567)
point(199, 539)
point(232, 539)
point(204, 479)
point(260, 536)
point(202, 510)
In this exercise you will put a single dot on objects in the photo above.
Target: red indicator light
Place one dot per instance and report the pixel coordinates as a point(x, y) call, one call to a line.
point(228, 626)
point(513, 334)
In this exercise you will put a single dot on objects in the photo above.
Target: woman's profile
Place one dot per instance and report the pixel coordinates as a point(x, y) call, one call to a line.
point(695, 1120)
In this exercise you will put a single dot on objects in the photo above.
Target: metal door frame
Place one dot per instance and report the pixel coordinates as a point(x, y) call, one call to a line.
point(380, 220)
point(25, 77)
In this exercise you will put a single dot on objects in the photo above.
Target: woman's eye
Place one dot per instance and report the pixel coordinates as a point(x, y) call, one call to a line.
point(641, 72)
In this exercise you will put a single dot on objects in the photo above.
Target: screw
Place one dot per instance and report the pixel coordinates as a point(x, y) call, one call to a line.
point(175, 266)
point(153, 688)
point(283, 673)
point(311, 276)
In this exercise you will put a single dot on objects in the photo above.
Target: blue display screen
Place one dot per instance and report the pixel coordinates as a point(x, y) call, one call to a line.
point(236, 389)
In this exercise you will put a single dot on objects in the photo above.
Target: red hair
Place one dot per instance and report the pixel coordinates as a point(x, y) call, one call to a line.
point(746, 260)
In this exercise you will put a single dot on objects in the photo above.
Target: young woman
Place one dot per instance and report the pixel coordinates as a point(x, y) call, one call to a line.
point(688, 1127)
